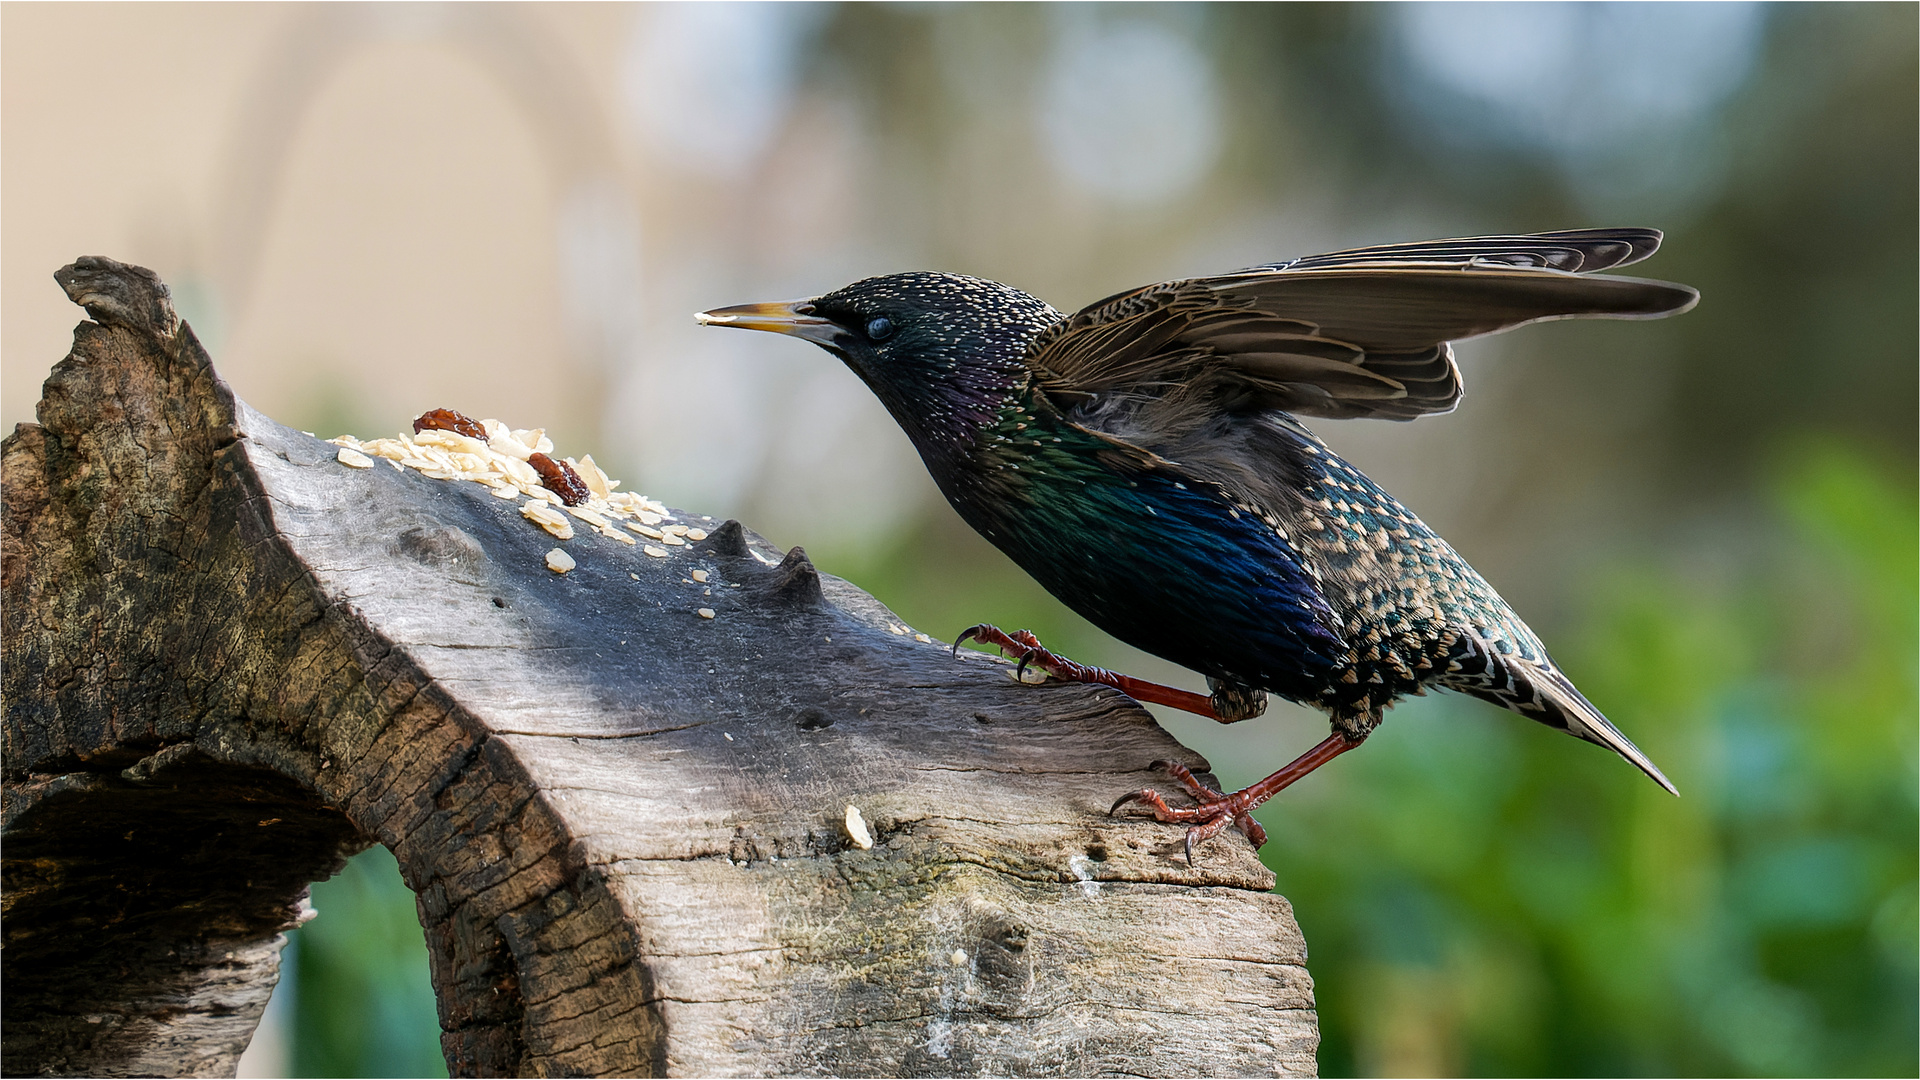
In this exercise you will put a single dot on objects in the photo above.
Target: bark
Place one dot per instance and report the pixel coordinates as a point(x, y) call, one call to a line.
point(231, 661)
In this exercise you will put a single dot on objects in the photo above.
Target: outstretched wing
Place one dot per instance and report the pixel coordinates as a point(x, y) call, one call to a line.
point(1360, 333)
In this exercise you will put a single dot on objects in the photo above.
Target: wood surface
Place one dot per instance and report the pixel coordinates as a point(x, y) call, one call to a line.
point(230, 662)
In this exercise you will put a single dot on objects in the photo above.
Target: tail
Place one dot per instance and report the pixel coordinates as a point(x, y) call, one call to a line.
point(1538, 691)
point(1569, 709)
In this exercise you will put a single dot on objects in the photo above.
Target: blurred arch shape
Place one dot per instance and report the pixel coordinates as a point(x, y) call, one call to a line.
point(1128, 110)
point(532, 70)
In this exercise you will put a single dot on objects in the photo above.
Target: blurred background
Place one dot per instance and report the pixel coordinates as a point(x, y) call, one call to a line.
point(371, 210)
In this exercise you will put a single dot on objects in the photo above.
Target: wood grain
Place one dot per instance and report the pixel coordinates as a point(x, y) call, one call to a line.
point(231, 661)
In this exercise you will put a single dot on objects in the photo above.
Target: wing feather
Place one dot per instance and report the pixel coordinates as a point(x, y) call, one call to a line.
point(1359, 333)
point(1583, 251)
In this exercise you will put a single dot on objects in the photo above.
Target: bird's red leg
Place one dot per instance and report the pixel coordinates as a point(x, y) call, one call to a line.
point(1217, 811)
point(1027, 648)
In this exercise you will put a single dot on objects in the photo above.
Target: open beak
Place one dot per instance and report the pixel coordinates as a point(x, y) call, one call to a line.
point(792, 317)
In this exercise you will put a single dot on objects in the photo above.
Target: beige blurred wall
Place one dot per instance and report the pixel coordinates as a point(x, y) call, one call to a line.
point(356, 204)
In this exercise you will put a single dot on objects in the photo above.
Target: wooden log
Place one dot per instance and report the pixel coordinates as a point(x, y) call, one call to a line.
point(231, 661)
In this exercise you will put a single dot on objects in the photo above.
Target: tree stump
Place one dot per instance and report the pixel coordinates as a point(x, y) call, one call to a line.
point(231, 662)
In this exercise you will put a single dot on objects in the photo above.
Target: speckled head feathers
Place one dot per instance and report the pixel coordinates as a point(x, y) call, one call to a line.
point(941, 351)
point(948, 318)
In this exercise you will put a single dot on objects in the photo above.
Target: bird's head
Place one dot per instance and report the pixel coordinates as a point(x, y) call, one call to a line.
point(941, 351)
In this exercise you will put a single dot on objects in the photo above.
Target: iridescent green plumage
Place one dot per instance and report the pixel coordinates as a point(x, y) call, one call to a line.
point(1144, 460)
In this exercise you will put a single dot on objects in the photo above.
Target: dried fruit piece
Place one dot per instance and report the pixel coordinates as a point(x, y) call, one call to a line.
point(448, 420)
point(559, 478)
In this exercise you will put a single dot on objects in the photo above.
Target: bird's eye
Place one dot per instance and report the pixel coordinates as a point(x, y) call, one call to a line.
point(880, 329)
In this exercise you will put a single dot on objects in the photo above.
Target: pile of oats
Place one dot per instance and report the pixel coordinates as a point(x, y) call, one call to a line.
point(500, 463)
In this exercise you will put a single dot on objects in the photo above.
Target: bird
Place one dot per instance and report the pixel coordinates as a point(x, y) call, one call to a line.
point(1146, 460)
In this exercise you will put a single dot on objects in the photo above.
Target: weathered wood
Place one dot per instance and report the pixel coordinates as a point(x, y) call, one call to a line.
point(231, 661)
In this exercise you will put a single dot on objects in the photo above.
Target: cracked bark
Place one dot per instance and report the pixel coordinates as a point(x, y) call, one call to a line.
point(230, 662)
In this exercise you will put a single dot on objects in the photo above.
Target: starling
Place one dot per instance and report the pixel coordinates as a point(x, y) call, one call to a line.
point(1145, 460)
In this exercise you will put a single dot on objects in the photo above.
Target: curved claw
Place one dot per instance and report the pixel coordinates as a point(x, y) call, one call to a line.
point(1020, 670)
point(1190, 833)
point(966, 636)
point(1131, 796)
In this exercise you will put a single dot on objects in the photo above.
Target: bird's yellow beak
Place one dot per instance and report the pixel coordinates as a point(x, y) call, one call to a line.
point(794, 318)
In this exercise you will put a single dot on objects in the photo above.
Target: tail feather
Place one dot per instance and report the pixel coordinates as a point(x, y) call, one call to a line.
point(1578, 716)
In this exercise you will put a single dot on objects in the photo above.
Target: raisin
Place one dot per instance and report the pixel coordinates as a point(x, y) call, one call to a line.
point(448, 420)
point(559, 478)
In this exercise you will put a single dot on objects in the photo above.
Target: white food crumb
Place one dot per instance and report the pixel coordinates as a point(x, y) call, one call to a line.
point(857, 828)
point(658, 553)
point(923, 639)
point(354, 459)
point(700, 576)
point(591, 476)
point(696, 534)
point(705, 613)
point(544, 515)
point(559, 561)
point(958, 959)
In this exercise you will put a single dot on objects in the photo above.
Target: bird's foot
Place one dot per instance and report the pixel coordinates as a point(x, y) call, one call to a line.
point(1209, 819)
point(1022, 645)
point(1217, 811)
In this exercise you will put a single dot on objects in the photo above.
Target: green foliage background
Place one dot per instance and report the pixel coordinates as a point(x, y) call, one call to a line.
point(1483, 896)
point(362, 1002)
